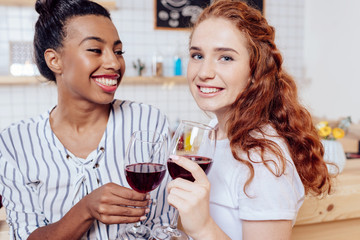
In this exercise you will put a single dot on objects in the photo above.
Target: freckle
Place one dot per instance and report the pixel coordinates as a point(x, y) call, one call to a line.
point(330, 207)
point(320, 213)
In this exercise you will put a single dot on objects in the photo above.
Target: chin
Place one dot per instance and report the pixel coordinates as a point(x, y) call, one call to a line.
point(105, 101)
point(207, 108)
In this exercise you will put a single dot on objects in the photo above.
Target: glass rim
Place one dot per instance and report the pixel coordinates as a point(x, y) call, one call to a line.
point(160, 140)
point(197, 124)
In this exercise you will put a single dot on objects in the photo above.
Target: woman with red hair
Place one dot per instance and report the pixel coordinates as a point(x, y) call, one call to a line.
point(268, 154)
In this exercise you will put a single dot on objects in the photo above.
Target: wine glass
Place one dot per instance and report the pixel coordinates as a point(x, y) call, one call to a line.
point(195, 141)
point(144, 166)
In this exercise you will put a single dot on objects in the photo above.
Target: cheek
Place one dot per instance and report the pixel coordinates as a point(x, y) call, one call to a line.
point(237, 84)
point(190, 76)
point(123, 66)
point(193, 68)
point(240, 78)
point(77, 63)
point(70, 68)
point(192, 87)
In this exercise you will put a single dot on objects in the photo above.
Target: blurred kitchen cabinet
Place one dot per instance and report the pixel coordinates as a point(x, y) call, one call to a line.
point(106, 3)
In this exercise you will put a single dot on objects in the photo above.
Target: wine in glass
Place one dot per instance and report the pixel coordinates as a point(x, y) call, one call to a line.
point(197, 142)
point(145, 168)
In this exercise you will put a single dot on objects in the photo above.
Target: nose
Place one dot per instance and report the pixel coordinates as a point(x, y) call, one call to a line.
point(112, 61)
point(207, 70)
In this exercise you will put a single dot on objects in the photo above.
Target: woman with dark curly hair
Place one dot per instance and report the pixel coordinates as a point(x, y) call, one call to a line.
point(268, 154)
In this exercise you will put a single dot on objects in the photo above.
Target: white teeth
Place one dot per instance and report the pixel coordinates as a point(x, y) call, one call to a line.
point(107, 81)
point(209, 90)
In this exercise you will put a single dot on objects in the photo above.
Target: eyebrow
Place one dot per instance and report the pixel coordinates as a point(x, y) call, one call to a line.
point(99, 40)
point(220, 49)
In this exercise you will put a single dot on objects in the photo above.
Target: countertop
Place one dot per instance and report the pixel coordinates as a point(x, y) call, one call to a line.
point(337, 216)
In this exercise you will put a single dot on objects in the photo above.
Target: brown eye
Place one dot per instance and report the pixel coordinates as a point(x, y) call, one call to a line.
point(120, 52)
point(94, 50)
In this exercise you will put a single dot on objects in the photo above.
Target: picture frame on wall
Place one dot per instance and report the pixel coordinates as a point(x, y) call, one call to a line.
point(177, 14)
point(258, 4)
point(182, 14)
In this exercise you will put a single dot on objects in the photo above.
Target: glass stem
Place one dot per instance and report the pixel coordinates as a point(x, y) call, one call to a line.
point(136, 226)
point(174, 220)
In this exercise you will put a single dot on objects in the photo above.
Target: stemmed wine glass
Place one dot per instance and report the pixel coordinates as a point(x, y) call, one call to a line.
point(195, 141)
point(144, 166)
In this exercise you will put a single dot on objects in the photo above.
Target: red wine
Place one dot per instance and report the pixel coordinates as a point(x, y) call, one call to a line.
point(144, 177)
point(177, 171)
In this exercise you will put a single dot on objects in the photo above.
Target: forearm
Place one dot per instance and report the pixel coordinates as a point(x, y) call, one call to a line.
point(211, 232)
point(270, 230)
point(72, 226)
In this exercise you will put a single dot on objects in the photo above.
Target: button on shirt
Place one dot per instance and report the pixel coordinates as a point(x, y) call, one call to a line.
point(40, 180)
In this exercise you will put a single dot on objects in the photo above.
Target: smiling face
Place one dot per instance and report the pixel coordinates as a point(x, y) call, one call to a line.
point(91, 60)
point(218, 68)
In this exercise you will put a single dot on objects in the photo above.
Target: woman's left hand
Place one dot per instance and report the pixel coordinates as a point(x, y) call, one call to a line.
point(191, 198)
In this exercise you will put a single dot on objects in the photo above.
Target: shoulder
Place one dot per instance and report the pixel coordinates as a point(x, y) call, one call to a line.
point(26, 123)
point(269, 133)
point(265, 132)
point(16, 133)
point(126, 105)
point(277, 155)
point(139, 114)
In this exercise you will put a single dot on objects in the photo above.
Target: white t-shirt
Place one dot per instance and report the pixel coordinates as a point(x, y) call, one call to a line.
point(271, 197)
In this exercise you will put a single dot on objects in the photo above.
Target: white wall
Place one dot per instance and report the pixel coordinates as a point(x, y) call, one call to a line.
point(331, 56)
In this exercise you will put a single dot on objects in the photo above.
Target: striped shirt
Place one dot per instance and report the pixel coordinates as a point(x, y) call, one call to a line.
point(40, 180)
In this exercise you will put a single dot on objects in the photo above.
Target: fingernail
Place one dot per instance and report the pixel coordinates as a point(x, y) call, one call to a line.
point(174, 157)
point(142, 218)
point(147, 210)
point(147, 196)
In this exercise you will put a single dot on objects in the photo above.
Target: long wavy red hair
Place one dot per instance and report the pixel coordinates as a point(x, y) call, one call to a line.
point(270, 98)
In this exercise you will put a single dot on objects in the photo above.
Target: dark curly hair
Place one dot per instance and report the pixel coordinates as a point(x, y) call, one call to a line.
point(269, 98)
point(50, 26)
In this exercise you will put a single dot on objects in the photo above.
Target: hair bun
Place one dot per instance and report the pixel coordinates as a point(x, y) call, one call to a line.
point(45, 6)
point(51, 6)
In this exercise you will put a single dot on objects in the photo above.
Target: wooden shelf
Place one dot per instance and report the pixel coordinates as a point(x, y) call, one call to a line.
point(11, 80)
point(107, 4)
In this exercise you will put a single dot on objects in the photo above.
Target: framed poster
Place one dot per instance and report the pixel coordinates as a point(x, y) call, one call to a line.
point(258, 4)
point(177, 14)
point(182, 14)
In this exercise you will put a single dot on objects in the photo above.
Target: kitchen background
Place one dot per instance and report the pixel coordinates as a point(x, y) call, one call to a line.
point(310, 35)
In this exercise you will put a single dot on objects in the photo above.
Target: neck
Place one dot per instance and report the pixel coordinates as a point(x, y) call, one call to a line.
point(221, 127)
point(79, 116)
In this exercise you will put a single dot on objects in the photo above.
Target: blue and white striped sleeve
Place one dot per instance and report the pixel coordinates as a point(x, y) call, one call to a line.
point(23, 213)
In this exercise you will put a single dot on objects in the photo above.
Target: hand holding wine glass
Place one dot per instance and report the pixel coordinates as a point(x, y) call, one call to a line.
point(191, 199)
point(144, 166)
point(192, 147)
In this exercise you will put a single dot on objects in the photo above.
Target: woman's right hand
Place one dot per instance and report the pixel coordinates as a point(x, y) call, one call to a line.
point(114, 204)
point(192, 199)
